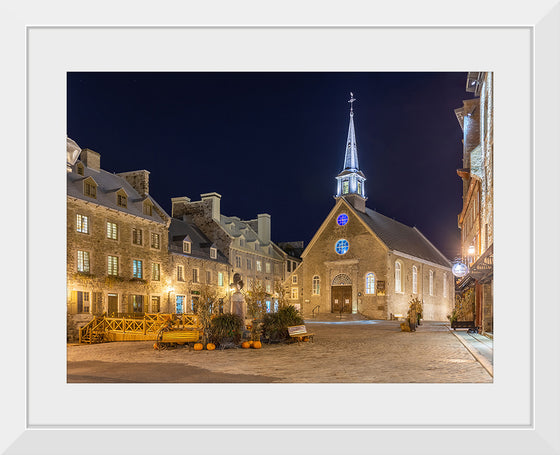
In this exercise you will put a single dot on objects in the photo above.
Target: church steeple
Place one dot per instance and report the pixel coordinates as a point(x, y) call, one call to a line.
point(350, 181)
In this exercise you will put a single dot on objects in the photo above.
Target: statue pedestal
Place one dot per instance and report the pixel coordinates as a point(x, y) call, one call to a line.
point(238, 305)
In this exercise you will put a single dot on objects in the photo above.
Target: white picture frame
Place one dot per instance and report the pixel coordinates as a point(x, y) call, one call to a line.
point(534, 274)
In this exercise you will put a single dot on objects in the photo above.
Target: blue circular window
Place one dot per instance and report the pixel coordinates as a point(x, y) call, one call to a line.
point(341, 246)
point(342, 219)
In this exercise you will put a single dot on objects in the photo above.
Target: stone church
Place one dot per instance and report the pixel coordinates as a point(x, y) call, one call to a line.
point(360, 261)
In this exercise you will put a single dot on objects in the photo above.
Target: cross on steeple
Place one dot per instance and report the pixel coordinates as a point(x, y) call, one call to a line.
point(351, 100)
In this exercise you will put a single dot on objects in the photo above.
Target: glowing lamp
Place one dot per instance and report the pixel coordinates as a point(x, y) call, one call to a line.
point(471, 249)
point(459, 269)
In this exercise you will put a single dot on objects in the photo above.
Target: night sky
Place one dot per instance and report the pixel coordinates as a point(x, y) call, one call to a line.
point(274, 142)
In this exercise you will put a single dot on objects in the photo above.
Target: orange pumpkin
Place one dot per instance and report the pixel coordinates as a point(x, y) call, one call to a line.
point(155, 346)
point(245, 345)
point(210, 346)
point(257, 345)
point(251, 343)
point(198, 346)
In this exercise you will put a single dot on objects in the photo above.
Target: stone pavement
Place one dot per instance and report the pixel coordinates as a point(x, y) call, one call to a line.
point(343, 352)
point(480, 346)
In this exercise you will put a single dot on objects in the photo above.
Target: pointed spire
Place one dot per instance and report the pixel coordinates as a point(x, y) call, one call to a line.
point(351, 156)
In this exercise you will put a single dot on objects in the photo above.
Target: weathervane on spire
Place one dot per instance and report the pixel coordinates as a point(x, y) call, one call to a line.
point(351, 100)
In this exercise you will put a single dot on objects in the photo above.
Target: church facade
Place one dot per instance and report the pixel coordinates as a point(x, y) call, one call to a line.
point(360, 261)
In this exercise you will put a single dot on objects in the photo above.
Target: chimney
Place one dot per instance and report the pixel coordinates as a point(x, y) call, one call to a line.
point(215, 201)
point(91, 159)
point(178, 206)
point(263, 226)
point(139, 180)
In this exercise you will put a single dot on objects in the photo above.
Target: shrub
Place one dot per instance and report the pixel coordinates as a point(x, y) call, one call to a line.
point(227, 327)
point(275, 325)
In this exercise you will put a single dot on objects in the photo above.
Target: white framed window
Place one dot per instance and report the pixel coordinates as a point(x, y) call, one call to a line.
point(414, 279)
point(294, 279)
point(267, 267)
point(137, 271)
point(155, 240)
point(431, 282)
point(195, 275)
point(186, 247)
point(445, 284)
point(213, 253)
point(90, 189)
point(259, 266)
point(316, 285)
point(370, 283)
point(83, 261)
point(82, 224)
point(112, 265)
point(294, 293)
point(180, 273)
point(156, 269)
point(220, 279)
point(112, 231)
point(398, 277)
point(137, 236)
point(238, 261)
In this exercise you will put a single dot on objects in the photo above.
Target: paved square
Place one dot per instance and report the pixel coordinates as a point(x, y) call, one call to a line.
point(347, 352)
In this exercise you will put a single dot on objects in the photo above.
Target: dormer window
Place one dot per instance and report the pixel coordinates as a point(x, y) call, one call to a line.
point(80, 168)
point(187, 246)
point(147, 207)
point(90, 188)
point(213, 253)
point(122, 198)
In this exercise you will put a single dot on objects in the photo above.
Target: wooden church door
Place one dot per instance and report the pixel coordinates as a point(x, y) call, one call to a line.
point(341, 299)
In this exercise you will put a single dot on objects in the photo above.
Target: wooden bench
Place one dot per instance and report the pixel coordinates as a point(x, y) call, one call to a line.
point(463, 325)
point(169, 337)
point(300, 333)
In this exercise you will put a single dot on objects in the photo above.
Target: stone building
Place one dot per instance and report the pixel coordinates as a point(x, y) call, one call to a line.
point(247, 245)
point(360, 261)
point(117, 252)
point(476, 219)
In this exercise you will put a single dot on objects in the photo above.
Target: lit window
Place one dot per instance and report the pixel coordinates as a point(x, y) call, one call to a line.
point(213, 253)
point(112, 231)
point(186, 247)
point(342, 219)
point(220, 279)
point(267, 267)
point(294, 294)
point(370, 283)
point(180, 273)
point(137, 236)
point(398, 281)
point(83, 261)
point(195, 275)
point(359, 187)
point(82, 224)
point(259, 266)
point(445, 284)
point(112, 265)
point(155, 240)
point(341, 246)
point(431, 283)
point(136, 268)
point(414, 279)
point(294, 279)
point(316, 287)
point(268, 287)
point(345, 187)
point(136, 303)
point(155, 271)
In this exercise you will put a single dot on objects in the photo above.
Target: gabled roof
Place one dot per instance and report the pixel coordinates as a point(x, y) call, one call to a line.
point(107, 185)
point(187, 230)
point(392, 234)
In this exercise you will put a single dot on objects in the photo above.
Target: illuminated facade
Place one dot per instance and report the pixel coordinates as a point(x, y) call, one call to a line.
point(476, 219)
point(360, 261)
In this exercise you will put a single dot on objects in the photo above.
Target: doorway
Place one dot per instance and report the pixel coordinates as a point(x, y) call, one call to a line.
point(341, 299)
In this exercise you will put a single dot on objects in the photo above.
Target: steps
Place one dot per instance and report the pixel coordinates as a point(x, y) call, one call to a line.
point(333, 317)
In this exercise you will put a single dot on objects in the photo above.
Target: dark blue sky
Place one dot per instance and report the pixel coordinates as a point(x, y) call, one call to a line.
point(274, 142)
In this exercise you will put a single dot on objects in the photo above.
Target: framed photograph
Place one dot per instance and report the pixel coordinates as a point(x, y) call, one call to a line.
point(517, 413)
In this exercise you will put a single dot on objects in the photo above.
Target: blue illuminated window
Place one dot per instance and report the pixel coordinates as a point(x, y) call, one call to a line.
point(341, 246)
point(342, 219)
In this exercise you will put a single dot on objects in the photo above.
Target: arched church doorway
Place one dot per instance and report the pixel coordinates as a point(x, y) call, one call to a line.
point(341, 294)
